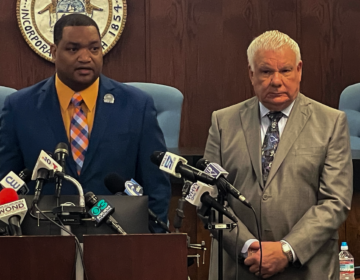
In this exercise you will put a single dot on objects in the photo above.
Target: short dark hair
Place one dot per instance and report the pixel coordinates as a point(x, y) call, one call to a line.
point(72, 20)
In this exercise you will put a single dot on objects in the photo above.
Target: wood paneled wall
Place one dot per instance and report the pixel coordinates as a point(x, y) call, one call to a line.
point(199, 47)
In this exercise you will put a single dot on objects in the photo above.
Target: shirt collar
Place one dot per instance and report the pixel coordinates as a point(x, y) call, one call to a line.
point(65, 94)
point(286, 111)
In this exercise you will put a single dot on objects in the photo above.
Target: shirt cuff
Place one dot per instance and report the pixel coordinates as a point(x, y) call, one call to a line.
point(245, 248)
point(292, 251)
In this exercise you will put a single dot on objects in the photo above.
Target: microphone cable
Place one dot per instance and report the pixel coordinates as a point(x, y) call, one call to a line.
point(236, 242)
point(70, 233)
point(259, 235)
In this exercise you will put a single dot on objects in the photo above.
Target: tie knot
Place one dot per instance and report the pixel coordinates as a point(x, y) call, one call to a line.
point(77, 99)
point(275, 116)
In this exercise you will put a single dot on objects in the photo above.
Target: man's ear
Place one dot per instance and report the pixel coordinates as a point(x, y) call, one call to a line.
point(251, 74)
point(53, 50)
point(299, 69)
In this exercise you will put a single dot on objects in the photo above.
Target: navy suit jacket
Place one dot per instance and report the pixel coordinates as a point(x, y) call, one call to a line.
point(123, 137)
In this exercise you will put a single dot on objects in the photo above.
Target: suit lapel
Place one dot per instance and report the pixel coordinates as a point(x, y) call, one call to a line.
point(49, 106)
point(102, 113)
point(249, 118)
point(299, 116)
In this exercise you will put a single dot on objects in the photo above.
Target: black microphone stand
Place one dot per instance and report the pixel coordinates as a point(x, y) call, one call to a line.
point(14, 226)
point(220, 240)
point(180, 209)
point(178, 219)
point(220, 226)
point(60, 155)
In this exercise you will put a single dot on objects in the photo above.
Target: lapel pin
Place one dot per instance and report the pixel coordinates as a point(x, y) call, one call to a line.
point(109, 98)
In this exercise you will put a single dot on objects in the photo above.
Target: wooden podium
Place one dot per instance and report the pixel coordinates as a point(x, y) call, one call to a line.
point(37, 258)
point(128, 257)
point(136, 257)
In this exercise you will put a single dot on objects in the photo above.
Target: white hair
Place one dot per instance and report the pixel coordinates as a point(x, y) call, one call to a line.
point(271, 40)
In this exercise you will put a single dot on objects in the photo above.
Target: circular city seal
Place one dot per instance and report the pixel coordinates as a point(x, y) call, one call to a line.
point(36, 20)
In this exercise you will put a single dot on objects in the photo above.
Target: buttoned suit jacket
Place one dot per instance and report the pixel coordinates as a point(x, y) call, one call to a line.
point(306, 196)
point(124, 135)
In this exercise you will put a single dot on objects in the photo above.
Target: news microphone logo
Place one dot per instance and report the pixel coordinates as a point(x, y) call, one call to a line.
point(193, 191)
point(132, 188)
point(13, 181)
point(170, 162)
point(101, 210)
point(17, 207)
point(45, 161)
point(215, 170)
point(197, 190)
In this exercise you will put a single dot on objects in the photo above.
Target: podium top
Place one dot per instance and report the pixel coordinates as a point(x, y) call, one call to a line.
point(130, 212)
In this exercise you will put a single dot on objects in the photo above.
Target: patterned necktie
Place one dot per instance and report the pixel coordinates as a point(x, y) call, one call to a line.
point(270, 144)
point(79, 132)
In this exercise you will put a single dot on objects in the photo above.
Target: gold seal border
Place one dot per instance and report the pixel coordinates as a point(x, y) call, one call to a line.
point(23, 32)
point(47, 41)
point(124, 17)
point(114, 42)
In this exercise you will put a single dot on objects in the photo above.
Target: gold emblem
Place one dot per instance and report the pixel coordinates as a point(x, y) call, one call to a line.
point(36, 20)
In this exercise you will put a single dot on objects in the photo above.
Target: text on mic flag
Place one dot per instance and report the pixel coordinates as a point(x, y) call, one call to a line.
point(197, 190)
point(101, 210)
point(169, 163)
point(17, 207)
point(45, 161)
point(13, 181)
point(215, 171)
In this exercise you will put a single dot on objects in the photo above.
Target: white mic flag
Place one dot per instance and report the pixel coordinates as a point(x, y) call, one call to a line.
point(13, 181)
point(45, 161)
point(197, 190)
point(169, 163)
point(15, 208)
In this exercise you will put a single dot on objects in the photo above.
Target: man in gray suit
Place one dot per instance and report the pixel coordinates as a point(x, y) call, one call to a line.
point(290, 157)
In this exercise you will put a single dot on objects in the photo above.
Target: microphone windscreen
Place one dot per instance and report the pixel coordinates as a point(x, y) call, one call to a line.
point(157, 157)
point(62, 148)
point(201, 164)
point(25, 175)
point(114, 183)
point(8, 195)
point(90, 199)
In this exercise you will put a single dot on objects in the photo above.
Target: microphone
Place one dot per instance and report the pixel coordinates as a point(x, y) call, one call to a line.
point(45, 161)
point(17, 183)
point(177, 166)
point(202, 193)
point(132, 188)
point(115, 184)
point(25, 175)
point(219, 174)
point(179, 212)
point(12, 210)
point(101, 211)
point(60, 155)
point(42, 175)
point(197, 190)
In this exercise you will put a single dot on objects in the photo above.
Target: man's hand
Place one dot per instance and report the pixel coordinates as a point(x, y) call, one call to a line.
point(273, 261)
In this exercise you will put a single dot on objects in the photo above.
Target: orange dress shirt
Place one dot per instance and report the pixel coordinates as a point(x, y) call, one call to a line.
point(89, 96)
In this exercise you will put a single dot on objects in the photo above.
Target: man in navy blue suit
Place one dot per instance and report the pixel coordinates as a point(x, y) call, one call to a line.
point(121, 126)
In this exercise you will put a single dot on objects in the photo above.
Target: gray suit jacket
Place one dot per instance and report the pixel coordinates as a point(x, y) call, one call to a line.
point(308, 192)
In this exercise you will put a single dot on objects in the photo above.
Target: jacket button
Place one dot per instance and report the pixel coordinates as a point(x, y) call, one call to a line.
point(265, 197)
